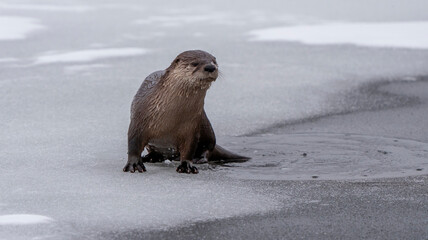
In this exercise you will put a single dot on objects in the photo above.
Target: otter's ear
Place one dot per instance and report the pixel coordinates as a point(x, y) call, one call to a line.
point(177, 60)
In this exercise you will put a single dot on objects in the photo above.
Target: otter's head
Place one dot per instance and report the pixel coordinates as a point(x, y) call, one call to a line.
point(194, 68)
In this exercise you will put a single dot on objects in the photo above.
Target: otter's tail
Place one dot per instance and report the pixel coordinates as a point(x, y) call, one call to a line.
point(222, 155)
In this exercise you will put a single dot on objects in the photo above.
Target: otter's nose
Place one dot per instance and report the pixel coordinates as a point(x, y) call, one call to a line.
point(210, 68)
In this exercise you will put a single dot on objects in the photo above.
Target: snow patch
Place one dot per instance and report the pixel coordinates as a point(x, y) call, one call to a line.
point(12, 27)
point(89, 55)
point(379, 34)
point(45, 7)
point(75, 69)
point(23, 219)
point(179, 20)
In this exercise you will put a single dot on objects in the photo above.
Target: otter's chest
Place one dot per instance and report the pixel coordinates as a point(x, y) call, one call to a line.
point(166, 110)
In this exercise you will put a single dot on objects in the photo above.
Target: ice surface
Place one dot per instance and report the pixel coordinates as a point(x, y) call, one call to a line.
point(6, 60)
point(88, 55)
point(15, 27)
point(106, 198)
point(65, 107)
point(23, 219)
point(377, 34)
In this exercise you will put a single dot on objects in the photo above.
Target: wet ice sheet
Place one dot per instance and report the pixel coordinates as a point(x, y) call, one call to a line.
point(330, 157)
point(378, 34)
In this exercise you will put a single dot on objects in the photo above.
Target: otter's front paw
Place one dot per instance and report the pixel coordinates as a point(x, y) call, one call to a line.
point(186, 167)
point(131, 167)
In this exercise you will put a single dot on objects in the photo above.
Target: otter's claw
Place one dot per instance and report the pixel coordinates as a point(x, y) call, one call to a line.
point(186, 167)
point(131, 167)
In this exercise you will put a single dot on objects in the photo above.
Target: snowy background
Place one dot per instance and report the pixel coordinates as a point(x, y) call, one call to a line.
point(68, 73)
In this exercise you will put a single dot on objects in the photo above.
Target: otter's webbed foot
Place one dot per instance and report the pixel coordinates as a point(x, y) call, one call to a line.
point(131, 167)
point(186, 167)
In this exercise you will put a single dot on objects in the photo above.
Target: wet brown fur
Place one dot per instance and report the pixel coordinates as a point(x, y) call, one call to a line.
point(169, 109)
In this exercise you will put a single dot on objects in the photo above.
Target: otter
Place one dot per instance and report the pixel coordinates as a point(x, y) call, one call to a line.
point(168, 116)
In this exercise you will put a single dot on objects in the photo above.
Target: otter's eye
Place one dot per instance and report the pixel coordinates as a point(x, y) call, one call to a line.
point(177, 60)
point(215, 62)
point(195, 64)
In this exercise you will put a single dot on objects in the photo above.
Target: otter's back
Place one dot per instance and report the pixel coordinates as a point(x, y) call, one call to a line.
point(146, 87)
point(150, 82)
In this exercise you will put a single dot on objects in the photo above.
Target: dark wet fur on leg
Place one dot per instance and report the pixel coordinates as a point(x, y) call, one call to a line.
point(152, 157)
point(200, 160)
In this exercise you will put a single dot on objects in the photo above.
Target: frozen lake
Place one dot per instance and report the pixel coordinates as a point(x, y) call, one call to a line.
point(69, 72)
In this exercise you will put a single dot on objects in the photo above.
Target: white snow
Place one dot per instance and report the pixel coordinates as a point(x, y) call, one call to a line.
point(13, 27)
point(89, 55)
point(374, 34)
point(23, 219)
point(82, 68)
point(180, 19)
point(172, 20)
point(45, 7)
